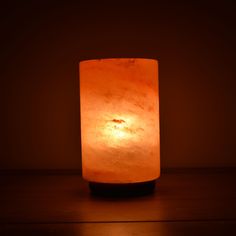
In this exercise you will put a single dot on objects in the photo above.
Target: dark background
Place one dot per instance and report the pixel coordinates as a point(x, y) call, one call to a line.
point(42, 43)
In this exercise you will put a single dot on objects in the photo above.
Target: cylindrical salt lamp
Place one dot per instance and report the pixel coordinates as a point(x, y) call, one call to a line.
point(119, 102)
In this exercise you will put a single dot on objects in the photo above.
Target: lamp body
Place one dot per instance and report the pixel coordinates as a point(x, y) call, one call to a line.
point(119, 102)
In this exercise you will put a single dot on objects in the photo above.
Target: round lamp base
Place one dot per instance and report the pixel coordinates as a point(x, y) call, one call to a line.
point(122, 190)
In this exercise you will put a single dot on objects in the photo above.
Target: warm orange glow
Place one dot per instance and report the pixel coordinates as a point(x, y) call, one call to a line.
point(120, 120)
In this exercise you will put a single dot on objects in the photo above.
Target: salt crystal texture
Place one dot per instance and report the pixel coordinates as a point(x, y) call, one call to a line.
point(120, 120)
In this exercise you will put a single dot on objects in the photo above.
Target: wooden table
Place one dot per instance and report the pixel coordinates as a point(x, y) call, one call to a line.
point(186, 202)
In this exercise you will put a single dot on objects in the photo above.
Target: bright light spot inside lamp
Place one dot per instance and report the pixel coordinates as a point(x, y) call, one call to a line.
point(120, 120)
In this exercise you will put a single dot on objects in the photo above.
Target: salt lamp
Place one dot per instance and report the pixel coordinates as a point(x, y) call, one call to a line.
point(120, 136)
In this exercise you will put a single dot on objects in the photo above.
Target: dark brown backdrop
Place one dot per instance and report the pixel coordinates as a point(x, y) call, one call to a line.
point(42, 43)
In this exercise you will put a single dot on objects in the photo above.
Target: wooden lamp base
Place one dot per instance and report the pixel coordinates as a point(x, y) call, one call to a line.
point(122, 190)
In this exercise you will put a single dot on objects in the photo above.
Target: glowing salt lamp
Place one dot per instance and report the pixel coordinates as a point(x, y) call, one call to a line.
point(120, 123)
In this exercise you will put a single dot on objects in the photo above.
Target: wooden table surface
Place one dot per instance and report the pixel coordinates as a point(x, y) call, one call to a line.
point(191, 201)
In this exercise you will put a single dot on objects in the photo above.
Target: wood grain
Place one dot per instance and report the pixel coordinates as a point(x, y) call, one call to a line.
point(179, 196)
point(123, 229)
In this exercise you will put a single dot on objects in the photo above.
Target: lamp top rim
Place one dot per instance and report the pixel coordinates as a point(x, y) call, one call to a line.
point(119, 58)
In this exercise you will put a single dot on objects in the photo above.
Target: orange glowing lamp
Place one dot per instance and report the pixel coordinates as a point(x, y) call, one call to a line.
point(120, 122)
